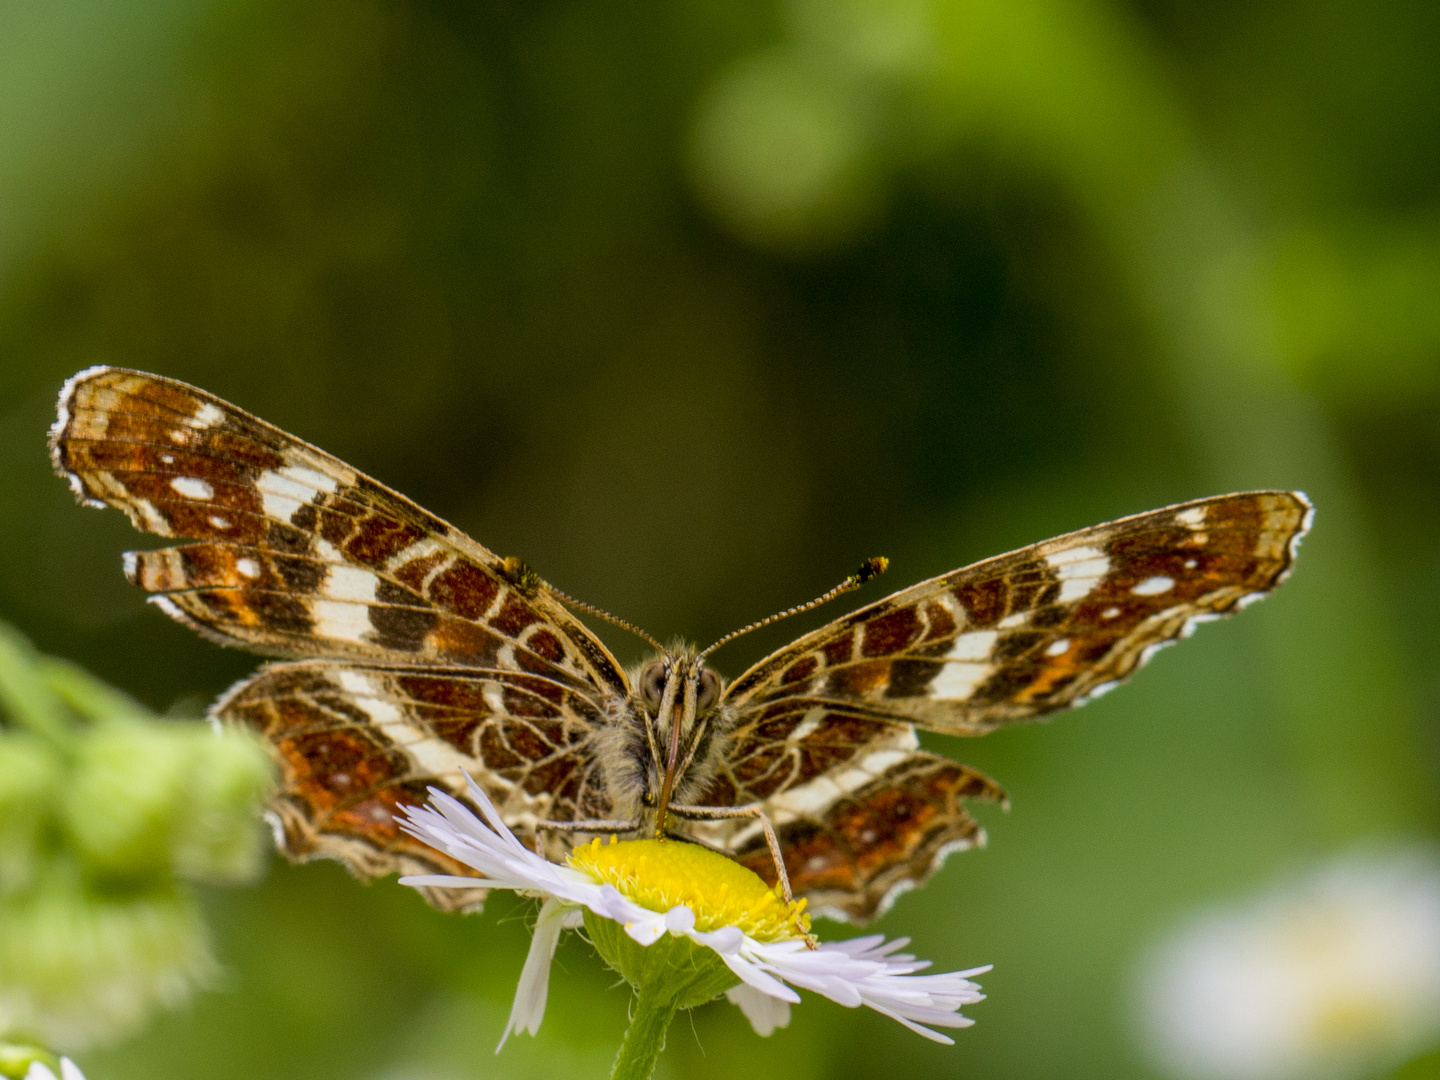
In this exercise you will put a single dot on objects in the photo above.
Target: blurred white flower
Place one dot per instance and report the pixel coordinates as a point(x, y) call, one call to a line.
point(1333, 975)
point(68, 1071)
point(761, 939)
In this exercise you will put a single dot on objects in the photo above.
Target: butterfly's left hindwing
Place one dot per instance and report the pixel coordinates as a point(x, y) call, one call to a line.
point(860, 810)
point(357, 744)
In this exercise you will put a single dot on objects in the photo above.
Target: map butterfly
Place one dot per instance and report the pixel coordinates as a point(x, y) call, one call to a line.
point(412, 654)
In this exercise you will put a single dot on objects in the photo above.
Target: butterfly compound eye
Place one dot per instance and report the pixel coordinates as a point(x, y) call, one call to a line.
point(652, 683)
point(709, 690)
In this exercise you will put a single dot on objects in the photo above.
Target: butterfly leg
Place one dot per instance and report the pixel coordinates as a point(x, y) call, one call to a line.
point(595, 825)
point(771, 840)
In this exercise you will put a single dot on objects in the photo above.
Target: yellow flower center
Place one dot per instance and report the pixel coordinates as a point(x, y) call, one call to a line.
point(659, 874)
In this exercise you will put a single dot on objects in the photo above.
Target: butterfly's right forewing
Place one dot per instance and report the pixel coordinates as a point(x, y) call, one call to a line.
point(295, 553)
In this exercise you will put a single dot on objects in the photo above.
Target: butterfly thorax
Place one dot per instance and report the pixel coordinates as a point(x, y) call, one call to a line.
point(675, 694)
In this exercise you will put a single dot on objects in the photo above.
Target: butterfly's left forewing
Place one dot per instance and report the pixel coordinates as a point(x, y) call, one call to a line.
point(1048, 627)
point(825, 744)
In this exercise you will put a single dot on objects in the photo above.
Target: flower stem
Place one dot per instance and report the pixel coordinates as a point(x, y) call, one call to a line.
point(645, 1037)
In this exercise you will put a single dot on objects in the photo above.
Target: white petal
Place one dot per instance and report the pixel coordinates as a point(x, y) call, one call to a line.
point(764, 1012)
point(755, 976)
point(646, 931)
point(919, 1029)
point(39, 1071)
point(69, 1070)
point(529, 1007)
point(679, 920)
point(447, 881)
point(726, 941)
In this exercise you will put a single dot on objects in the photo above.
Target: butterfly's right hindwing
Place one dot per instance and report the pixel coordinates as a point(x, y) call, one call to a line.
point(357, 744)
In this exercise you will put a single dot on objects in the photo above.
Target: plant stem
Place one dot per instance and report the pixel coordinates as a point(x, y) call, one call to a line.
point(645, 1037)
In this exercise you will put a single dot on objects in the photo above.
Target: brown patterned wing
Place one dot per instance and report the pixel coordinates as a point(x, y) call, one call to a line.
point(862, 813)
point(355, 744)
point(1048, 627)
point(299, 554)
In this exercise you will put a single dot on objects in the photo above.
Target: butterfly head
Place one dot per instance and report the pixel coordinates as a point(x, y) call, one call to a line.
point(677, 700)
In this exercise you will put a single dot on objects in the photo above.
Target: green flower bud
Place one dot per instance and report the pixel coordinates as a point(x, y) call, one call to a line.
point(24, 696)
point(88, 696)
point(80, 966)
point(218, 836)
point(30, 773)
point(121, 805)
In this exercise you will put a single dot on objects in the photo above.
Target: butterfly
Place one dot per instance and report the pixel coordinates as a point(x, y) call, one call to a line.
point(412, 655)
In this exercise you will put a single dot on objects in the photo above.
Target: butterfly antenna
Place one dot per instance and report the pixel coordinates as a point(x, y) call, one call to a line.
point(869, 569)
point(517, 569)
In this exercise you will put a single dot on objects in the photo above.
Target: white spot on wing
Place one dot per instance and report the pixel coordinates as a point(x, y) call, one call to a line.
point(219, 522)
point(1195, 620)
point(248, 566)
point(154, 521)
point(316, 481)
point(1079, 569)
point(975, 645)
point(814, 797)
point(168, 459)
point(350, 583)
point(339, 619)
point(1154, 586)
point(957, 681)
point(1110, 613)
point(877, 763)
point(281, 507)
point(426, 545)
point(1192, 518)
point(283, 491)
point(192, 487)
point(1058, 648)
point(1148, 653)
point(1100, 690)
point(1010, 622)
point(808, 723)
point(430, 754)
point(494, 697)
point(206, 416)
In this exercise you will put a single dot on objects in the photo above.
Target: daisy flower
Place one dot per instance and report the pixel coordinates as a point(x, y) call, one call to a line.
point(1335, 974)
point(683, 925)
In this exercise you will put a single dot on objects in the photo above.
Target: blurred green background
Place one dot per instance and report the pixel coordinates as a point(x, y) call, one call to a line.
point(694, 305)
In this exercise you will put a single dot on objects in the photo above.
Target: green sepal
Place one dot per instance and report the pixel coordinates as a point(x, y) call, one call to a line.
point(673, 967)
